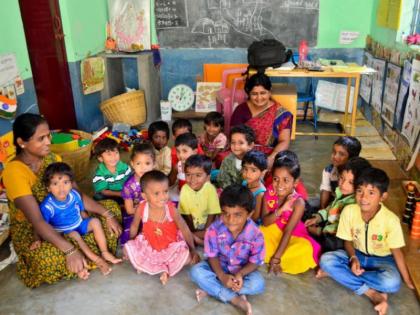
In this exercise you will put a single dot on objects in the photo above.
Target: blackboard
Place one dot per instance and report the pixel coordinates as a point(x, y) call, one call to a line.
point(235, 23)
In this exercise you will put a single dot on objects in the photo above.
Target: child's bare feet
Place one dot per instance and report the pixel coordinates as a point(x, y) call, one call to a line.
point(380, 300)
point(139, 272)
point(111, 258)
point(321, 274)
point(164, 277)
point(242, 303)
point(84, 274)
point(200, 294)
point(103, 266)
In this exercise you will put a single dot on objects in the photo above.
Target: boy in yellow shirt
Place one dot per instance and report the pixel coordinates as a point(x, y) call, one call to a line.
point(372, 261)
point(198, 200)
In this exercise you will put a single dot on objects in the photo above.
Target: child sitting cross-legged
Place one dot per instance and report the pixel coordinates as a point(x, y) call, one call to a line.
point(62, 209)
point(254, 167)
point(234, 247)
point(165, 244)
point(198, 200)
point(111, 172)
point(142, 161)
point(289, 248)
point(323, 225)
point(372, 261)
point(242, 140)
point(158, 133)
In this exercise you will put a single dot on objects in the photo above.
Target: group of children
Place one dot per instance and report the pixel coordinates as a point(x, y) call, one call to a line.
point(211, 192)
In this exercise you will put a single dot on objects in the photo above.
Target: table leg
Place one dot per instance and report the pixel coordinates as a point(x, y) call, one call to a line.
point(354, 112)
point(346, 109)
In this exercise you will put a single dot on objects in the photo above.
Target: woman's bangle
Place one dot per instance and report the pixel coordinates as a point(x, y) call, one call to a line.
point(70, 251)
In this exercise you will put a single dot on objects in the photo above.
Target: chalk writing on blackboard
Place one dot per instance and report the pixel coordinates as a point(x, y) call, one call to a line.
point(171, 14)
point(235, 23)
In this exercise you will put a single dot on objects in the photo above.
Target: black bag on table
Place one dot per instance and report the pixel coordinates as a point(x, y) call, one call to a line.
point(267, 53)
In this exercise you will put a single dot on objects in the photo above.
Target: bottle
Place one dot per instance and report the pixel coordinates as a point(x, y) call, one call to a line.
point(303, 51)
point(409, 204)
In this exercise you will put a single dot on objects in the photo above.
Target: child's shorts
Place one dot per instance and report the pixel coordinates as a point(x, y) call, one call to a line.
point(82, 229)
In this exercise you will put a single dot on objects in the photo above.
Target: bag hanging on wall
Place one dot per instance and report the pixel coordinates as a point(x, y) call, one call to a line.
point(267, 53)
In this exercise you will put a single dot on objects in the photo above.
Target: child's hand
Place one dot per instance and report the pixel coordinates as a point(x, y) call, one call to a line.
point(409, 283)
point(195, 258)
point(288, 204)
point(311, 221)
point(35, 244)
point(274, 265)
point(228, 280)
point(238, 282)
point(355, 266)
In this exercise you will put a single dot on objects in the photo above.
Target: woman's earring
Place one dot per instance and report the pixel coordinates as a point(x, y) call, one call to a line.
point(22, 146)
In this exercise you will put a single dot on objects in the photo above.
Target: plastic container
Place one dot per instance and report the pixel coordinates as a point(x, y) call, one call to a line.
point(303, 51)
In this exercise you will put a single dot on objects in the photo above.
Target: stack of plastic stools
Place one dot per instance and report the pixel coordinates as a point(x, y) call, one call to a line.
point(415, 225)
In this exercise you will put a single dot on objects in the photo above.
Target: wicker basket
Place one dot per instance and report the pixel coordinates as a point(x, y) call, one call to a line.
point(129, 108)
point(79, 159)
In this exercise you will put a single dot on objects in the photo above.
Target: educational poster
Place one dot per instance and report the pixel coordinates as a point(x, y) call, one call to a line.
point(366, 81)
point(378, 83)
point(332, 96)
point(130, 24)
point(404, 85)
point(392, 82)
point(411, 123)
point(390, 136)
point(206, 96)
point(93, 72)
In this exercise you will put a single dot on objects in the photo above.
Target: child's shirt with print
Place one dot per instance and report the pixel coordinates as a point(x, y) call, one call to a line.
point(331, 215)
point(230, 171)
point(377, 237)
point(105, 180)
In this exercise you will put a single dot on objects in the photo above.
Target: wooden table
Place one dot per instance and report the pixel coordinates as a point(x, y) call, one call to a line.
point(302, 73)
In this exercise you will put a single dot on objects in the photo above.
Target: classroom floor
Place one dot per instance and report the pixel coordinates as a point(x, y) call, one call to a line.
point(125, 292)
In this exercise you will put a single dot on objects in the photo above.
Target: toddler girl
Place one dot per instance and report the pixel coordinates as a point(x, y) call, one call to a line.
point(142, 160)
point(213, 140)
point(165, 244)
point(254, 166)
point(289, 248)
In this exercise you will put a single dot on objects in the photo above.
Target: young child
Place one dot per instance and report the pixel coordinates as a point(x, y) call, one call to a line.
point(158, 133)
point(198, 200)
point(344, 148)
point(165, 243)
point(111, 173)
point(234, 247)
point(186, 145)
point(179, 127)
point(254, 167)
point(142, 161)
point(372, 261)
point(242, 140)
point(289, 248)
point(213, 140)
point(62, 210)
point(323, 225)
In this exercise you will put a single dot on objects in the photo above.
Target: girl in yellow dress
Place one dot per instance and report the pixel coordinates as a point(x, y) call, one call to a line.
point(289, 248)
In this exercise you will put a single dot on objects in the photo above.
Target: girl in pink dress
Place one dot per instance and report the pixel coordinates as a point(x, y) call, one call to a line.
point(165, 244)
point(289, 248)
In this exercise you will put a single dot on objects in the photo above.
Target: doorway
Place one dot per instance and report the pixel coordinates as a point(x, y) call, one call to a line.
point(47, 53)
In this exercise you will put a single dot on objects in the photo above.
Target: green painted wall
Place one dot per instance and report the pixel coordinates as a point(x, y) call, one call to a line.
point(338, 15)
point(389, 37)
point(84, 25)
point(12, 36)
